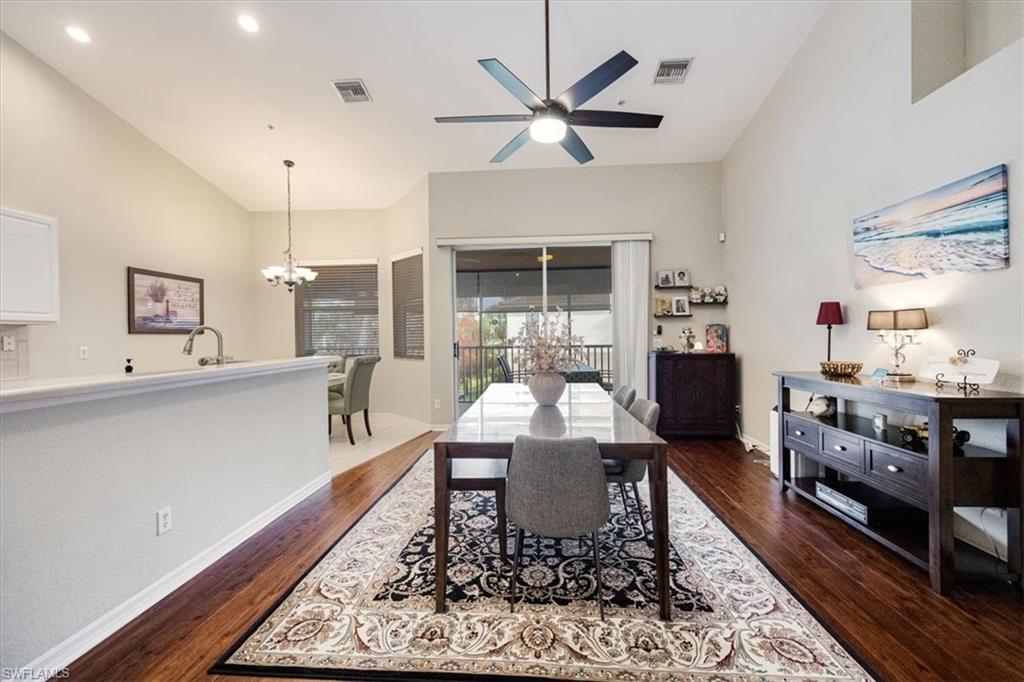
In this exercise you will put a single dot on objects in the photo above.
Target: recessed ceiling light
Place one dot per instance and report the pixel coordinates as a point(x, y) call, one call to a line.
point(248, 23)
point(78, 34)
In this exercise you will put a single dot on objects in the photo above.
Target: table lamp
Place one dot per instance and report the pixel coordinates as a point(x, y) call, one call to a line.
point(830, 313)
point(896, 330)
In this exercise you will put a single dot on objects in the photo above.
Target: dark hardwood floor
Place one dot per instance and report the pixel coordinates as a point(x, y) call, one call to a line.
point(879, 605)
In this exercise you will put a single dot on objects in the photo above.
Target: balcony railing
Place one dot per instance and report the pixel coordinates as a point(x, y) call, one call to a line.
point(478, 366)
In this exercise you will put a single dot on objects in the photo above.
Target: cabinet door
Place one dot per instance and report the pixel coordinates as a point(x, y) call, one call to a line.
point(29, 274)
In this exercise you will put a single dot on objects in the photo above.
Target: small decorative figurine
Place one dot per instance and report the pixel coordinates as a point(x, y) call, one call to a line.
point(686, 338)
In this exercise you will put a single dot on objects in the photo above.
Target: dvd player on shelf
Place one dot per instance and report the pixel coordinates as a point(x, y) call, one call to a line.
point(861, 503)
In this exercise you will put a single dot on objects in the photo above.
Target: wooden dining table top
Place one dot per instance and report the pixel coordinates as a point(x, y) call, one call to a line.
point(505, 411)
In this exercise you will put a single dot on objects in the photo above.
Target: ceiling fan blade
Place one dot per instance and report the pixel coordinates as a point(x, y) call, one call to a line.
point(575, 146)
point(613, 119)
point(516, 142)
point(509, 81)
point(596, 81)
point(486, 118)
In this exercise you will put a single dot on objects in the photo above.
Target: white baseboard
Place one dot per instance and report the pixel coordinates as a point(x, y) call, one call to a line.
point(439, 427)
point(752, 443)
point(62, 655)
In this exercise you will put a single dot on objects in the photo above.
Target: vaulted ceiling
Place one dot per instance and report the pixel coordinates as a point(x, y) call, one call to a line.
point(190, 79)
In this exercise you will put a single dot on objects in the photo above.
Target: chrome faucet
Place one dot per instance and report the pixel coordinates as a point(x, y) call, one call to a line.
point(187, 350)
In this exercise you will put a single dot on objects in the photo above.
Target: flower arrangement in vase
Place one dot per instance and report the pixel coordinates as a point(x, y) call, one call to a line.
point(549, 349)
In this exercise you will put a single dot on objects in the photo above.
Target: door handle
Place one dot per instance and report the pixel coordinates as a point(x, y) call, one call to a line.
point(798, 432)
point(839, 448)
point(893, 468)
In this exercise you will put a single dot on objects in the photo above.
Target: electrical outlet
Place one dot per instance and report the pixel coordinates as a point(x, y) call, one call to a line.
point(8, 343)
point(163, 521)
point(437, 403)
point(83, 352)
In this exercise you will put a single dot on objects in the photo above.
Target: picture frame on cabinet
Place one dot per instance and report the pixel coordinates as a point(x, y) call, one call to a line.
point(717, 338)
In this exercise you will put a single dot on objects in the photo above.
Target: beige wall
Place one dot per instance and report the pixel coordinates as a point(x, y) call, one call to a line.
point(836, 138)
point(121, 200)
point(400, 385)
point(352, 234)
point(679, 203)
point(989, 26)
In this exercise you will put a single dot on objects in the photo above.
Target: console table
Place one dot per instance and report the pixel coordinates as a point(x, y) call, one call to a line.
point(917, 489)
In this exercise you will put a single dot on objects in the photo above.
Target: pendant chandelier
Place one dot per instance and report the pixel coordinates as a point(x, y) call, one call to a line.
point(290, 273)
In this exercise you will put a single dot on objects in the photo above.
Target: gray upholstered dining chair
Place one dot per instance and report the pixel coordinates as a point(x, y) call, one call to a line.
point(354, 395)
point(624, 395)
point(632, 471)
point(556, 488)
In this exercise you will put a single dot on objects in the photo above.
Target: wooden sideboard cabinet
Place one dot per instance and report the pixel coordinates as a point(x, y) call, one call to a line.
point(914, 492)
point(696, 391)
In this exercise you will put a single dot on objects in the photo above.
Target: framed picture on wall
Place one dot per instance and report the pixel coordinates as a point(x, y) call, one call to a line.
point(162, 303)
point(665, 278)
point(681, 278)
point(662, 306)
point(681, 305)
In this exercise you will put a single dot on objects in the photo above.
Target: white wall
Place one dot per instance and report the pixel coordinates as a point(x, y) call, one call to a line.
point(81, 485)
point(679, 203)
point(121, 201)
point(836, 138)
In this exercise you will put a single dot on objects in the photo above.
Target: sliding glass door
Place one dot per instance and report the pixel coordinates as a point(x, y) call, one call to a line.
point(497, 289)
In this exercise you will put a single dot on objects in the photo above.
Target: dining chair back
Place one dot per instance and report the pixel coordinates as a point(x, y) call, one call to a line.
point(632, 471)
point(624, 395)
point(646, 412)
point(506, 370)
point(354, 394)
point(556, 488)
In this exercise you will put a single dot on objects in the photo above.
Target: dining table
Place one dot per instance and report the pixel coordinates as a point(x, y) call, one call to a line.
point(488, 429)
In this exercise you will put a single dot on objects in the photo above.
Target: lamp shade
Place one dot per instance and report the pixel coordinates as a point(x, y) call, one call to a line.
point(911, 318)
point(881, 320)
point(830, 312)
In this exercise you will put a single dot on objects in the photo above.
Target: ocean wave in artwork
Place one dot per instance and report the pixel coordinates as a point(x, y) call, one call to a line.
point(962, 227)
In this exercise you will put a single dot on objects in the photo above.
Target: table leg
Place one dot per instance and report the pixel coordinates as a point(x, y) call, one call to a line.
point(657, 478)
point(440, 526)
point(1014, 512)
point(784, 457)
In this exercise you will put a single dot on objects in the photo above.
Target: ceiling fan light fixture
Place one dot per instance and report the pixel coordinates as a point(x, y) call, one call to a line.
point(547, 128)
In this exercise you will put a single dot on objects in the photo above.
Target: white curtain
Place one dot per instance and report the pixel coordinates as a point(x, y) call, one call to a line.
point(631, 296)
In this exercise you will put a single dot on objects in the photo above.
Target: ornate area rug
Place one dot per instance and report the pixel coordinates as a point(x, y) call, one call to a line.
point(365, 610)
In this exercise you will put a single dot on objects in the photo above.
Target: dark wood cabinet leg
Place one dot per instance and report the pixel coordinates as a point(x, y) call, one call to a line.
point(440, 526)
point(940, 501)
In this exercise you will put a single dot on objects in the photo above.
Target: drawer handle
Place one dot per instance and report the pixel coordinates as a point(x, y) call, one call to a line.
point(798, 432)
point(839, 448)
point(893, 468)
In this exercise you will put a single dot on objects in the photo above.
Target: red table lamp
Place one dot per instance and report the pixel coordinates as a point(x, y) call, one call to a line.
point(830, 313)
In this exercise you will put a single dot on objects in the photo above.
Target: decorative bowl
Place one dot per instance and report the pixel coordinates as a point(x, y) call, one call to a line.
point(841, 369)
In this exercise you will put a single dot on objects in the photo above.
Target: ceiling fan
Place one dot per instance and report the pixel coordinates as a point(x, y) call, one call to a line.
point(551, 119)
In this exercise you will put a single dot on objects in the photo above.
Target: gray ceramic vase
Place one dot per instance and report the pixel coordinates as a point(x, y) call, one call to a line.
point(546, 387)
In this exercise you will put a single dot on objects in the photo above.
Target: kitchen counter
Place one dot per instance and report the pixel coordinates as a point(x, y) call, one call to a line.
point(27, 394)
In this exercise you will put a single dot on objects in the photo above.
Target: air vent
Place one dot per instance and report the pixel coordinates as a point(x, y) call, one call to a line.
point(352, 90)
point(672, 71)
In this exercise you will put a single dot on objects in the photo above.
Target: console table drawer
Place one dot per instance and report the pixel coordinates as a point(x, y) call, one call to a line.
point(903, 470)
point(843, 450)
point(800, 432)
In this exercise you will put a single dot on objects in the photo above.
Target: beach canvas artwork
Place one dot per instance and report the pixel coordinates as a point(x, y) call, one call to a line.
point(960, 227)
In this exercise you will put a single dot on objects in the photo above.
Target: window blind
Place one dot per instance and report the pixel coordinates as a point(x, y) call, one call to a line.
point(337, 312)
point(407, 306)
